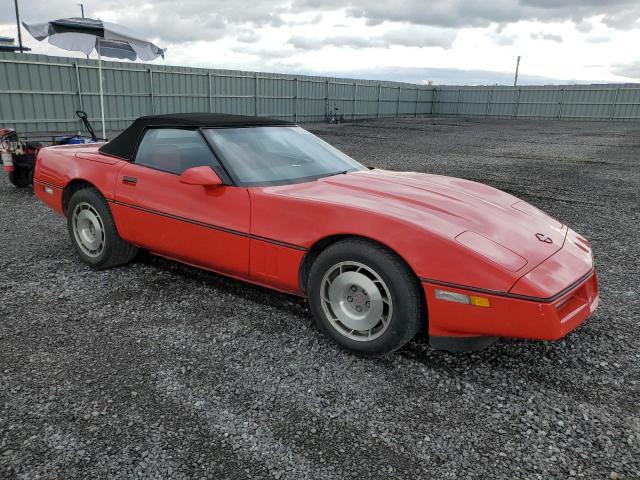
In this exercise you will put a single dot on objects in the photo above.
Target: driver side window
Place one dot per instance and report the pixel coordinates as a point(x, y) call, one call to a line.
point(174, 150)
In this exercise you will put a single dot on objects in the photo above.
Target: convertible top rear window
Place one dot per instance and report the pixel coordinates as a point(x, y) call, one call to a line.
point(277, 155)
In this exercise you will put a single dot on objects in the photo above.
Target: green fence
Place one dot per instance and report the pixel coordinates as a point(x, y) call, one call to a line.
point(574, 102)
point(40, 93)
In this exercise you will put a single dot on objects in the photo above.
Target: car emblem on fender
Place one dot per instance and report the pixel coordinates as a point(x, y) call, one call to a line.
point(543, 238)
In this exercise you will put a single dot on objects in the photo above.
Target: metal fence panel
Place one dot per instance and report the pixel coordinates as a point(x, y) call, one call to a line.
point(626, 103)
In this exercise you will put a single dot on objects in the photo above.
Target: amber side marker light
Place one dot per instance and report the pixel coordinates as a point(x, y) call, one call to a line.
point(461, 298)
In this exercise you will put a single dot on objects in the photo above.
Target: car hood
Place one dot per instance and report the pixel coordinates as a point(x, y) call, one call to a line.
point(508, 231)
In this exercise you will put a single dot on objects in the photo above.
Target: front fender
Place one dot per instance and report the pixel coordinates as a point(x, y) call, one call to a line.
point(430, 253)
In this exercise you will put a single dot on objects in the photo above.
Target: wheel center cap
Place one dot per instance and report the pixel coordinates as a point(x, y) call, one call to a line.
point(359, 298)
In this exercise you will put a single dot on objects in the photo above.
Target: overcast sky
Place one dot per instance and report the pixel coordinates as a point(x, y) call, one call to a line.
point(445, 41)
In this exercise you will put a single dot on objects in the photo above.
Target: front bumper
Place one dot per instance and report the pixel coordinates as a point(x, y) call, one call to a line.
point(546, 303)
point(512, 315)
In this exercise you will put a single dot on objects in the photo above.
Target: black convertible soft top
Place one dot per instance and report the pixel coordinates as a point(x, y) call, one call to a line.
point(124, 145)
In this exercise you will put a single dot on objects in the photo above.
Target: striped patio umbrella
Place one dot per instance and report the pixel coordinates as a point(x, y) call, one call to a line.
point(88, 34)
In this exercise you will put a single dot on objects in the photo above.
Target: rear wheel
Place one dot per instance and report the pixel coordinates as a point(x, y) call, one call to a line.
point(365, 297)
point(93, 231)
point(21, 177)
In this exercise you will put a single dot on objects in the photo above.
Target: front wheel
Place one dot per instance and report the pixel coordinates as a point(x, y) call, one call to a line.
point(365, 297)
point(93, 231)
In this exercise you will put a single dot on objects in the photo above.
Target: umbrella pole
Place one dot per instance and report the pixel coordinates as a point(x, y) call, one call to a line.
point(104, 135)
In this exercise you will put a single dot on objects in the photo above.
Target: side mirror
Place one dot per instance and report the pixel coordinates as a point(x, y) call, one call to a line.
point(204, 176)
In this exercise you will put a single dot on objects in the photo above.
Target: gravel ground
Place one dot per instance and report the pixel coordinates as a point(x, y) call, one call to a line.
point(158, 370)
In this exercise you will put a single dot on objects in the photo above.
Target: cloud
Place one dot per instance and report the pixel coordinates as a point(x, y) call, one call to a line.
point(585, 26)
point(599, 39)
point(312, 43)
point(500, 27)
point(503, 40)
point(412, 36)
point(202, 20)
point(315, 20)
point(176, 29)
point(623, 19)
point(247, 36)
point(406, 36)
point(265, 54)
point(629, 70)
point(546, 36)
point(462, 13)
point(620, 14)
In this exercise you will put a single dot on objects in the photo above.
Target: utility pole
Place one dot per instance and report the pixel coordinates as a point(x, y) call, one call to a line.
point(515, 80)
point(18, 25)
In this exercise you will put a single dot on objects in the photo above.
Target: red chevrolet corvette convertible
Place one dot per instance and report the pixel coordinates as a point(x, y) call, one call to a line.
point(380, 255)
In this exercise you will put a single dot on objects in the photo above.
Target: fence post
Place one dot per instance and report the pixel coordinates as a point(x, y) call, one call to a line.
point(153, 107)
point(458, 102)
point(355, 98)
point(613, 105)
point(434, 90)
point(398, 105)
point(255, 95)
point(75, 64)
point(488, 110)
point(415, 110)
point(295, 104)
point(379, 97)
point(210, 92)
point(517, 104)
point(326, 103)
point(561, 105)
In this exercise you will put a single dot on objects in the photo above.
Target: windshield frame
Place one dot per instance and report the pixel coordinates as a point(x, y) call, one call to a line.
point(228, 164)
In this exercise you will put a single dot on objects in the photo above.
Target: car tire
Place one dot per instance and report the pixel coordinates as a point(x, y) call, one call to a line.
point(365, 297)
point(21, 177)
point(93, 232)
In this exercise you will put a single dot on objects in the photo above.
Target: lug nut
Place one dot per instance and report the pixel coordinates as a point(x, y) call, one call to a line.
point(349, 299)
point(359, 308)
point(353, 288)
point(367, 303)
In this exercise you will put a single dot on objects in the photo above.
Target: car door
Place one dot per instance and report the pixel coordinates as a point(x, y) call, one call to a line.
point(204, 226)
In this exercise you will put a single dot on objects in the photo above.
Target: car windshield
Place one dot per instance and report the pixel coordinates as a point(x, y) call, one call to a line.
point(277, 155)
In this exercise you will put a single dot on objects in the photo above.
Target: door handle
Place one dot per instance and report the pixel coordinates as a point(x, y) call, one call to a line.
point(129, 180)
